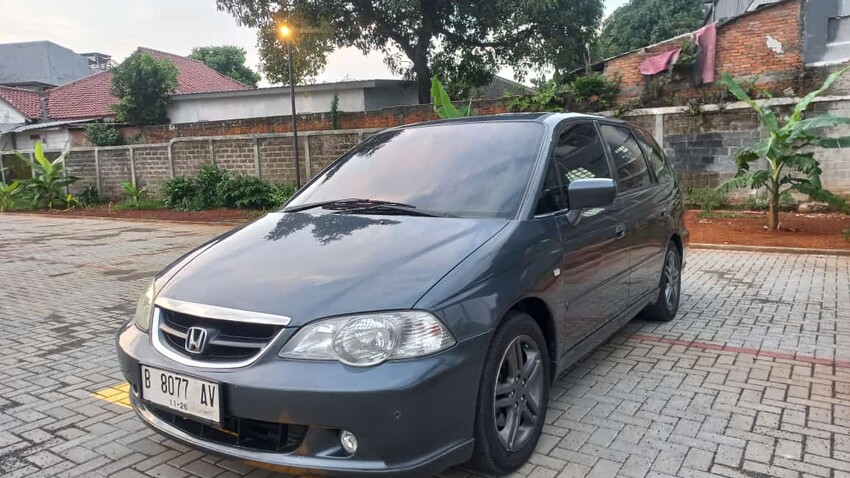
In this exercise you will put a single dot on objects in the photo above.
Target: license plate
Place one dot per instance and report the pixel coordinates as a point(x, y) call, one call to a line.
point(185, 395)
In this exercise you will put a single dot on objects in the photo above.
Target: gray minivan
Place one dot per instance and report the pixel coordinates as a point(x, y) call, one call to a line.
point(409, 309)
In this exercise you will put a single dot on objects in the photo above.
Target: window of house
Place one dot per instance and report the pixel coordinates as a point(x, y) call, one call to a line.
point(632, 172)
point(578, 155)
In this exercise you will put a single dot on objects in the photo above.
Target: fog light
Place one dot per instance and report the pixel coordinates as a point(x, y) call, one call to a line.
point(348, 441)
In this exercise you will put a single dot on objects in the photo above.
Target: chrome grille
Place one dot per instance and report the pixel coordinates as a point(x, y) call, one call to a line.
point(227, 342)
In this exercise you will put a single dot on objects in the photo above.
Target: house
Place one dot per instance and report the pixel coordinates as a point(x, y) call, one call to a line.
point(40, 65)
point(362, 95)
point(27, 116)
point(353, 96)
point(722, 9)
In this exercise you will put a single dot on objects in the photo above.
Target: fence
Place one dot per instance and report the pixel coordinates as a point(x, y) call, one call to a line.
point(701, 144)
point(267, 156)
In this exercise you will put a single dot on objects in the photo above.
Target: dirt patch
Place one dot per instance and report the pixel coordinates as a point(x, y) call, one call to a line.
point(226, 216)
point(812, 231)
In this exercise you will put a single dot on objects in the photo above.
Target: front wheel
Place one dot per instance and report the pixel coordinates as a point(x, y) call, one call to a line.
point(667, 304)
point(513, 396)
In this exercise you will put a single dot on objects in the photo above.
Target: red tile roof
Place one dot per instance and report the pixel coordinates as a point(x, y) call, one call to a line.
point(25, 101)
point(90, 96)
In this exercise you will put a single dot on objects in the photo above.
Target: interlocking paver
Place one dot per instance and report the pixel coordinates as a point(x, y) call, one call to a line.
point(752, 378)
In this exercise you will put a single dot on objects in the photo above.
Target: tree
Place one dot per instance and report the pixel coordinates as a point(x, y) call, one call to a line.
point(143, 86)
point(228, 60)
point(50, 178)
point(787, 146)
point(641, 23)
point(466, 39)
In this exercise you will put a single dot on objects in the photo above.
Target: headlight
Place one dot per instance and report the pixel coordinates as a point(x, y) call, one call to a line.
point(144, 308)
point(370, 339)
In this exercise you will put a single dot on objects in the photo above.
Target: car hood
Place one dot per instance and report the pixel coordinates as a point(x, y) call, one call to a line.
point(307, 266)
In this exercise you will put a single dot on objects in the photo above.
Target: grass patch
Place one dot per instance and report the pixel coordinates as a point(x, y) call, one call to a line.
point(720, 215)
point(143, 205)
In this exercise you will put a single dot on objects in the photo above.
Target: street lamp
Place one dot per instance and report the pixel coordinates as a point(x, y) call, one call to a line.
point(286, 35)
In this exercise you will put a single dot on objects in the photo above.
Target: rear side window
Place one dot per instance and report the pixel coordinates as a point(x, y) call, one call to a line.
point(578, 155)
point(631, 166)
point(653, 151)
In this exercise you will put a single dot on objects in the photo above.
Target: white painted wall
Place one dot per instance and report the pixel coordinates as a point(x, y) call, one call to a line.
point(53, 138)
point(8, 114)
point(276, 103)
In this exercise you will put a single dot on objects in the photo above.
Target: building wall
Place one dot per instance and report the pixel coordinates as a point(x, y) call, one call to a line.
point(765, 44)
point(377, 98)
point(53, 138)
point(9, 114)
point(827, 35)
point(191, 110)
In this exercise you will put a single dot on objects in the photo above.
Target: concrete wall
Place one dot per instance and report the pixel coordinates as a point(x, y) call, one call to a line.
point(196, 108)
point(827, 33)
point(53, 138)
point(377, 98)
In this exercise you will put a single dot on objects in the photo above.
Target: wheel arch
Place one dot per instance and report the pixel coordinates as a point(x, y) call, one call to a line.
point(539, 311)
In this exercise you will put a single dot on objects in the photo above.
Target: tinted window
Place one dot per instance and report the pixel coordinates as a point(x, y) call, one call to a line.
point(628, 158)
point(578, 155)
point(468, 169)
point(653, 151)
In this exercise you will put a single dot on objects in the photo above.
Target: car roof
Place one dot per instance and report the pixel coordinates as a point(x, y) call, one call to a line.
point(543, 118)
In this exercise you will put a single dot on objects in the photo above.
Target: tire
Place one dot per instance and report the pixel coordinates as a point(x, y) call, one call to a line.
point(666, 306)
point(518, 340)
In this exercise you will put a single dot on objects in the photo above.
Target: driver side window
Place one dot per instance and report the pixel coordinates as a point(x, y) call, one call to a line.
point(579, 154)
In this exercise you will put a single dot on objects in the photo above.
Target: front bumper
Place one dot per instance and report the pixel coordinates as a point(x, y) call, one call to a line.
point(410, 417)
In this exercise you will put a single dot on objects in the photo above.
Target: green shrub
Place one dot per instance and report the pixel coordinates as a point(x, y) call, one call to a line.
point(8, 193)
point(248, 192)
point(216, 188)
point(143, 204)
point(705, 198)
point(100, 134)
point(760, 202)
point(89, 196)
point(595, 89)
point(178, 193)
point(211, 186)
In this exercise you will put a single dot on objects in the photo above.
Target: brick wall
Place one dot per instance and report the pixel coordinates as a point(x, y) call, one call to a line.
point(383, 118)
point(765, 43)
point(702, 148)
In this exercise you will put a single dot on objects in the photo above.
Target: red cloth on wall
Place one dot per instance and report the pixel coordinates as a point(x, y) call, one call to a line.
point(658, 63)
point(706, 40)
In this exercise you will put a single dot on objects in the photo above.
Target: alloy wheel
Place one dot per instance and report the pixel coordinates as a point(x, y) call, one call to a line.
point(518, 393)
point(672, 280)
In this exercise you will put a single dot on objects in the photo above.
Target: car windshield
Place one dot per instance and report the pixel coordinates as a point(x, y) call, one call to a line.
point(476, 169)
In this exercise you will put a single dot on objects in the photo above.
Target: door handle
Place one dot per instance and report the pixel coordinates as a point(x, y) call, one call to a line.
point(620, 231)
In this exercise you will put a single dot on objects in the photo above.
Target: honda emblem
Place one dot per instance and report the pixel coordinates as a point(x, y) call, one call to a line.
point(196, 340)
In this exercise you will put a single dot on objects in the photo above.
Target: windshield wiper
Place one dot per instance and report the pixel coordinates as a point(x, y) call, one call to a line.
point(363, 206)
point(345, 204)
point(394, 208)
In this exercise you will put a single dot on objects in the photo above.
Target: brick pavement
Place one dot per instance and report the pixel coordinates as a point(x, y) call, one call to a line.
point(752, 379)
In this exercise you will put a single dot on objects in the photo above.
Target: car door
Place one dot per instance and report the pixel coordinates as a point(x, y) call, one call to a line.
point(594, 266)
point(642, 217)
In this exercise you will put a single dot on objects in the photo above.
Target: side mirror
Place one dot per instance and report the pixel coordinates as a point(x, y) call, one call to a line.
point(591, 193)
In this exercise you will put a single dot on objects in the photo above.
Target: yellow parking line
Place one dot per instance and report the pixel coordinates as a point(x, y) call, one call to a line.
point(118, 394)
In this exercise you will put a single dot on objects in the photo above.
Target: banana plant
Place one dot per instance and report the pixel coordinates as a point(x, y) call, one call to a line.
point(50, 178)
point(443, 104)
point(787, 151)
point(135, 193)
point(7, 194)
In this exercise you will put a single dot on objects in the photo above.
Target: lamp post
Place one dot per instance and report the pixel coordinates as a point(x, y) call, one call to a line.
point(286, 35)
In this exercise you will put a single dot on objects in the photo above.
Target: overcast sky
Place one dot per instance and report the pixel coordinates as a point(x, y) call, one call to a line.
point(117, 27)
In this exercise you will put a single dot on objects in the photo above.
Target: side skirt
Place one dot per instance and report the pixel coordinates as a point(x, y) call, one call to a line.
point(602, 334)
